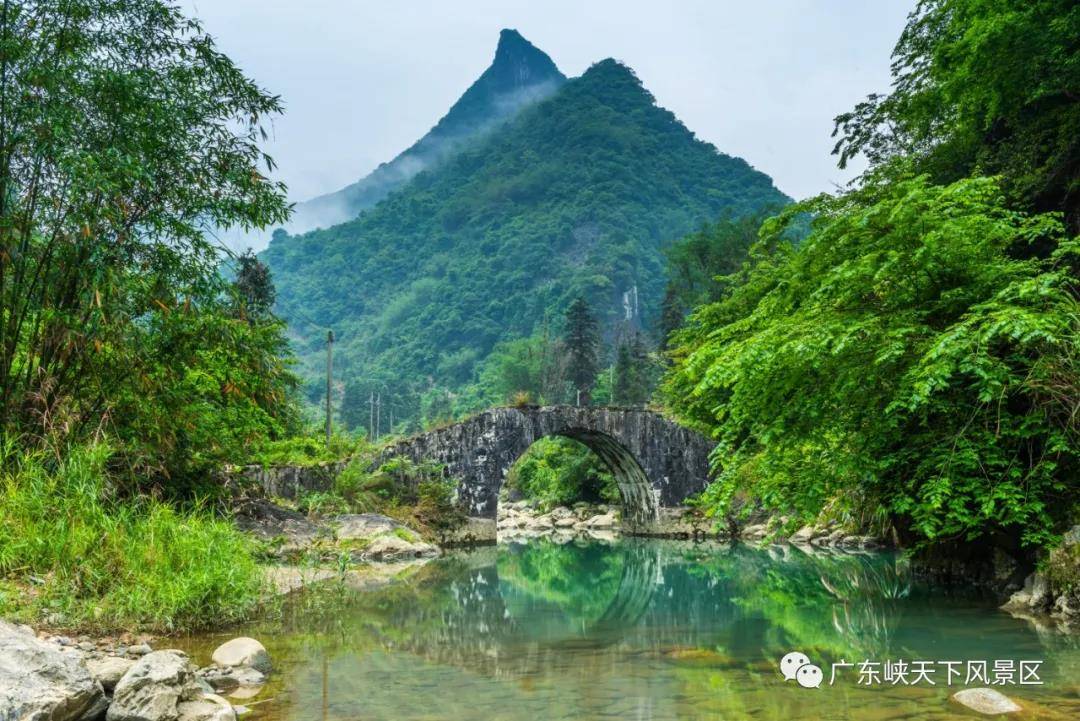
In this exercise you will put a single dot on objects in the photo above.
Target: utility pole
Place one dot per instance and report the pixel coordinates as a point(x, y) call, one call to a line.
point(378, 415)
point(329, 382)
point(371, 416)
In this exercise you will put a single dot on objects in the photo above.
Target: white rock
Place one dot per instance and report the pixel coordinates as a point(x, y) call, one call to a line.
point(603, 521)
point(754, 532)
point(242, 651)
point(393, 548)
point(540, 523)
point(37, 681)
point(352, 526)
point(108, 670)
point(986, 701)
point(154, 687)
point(803, 535)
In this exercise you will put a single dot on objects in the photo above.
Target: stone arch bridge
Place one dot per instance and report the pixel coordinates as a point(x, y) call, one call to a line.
point(656, 462)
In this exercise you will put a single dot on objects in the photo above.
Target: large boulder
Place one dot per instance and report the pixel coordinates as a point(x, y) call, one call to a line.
point(986, 701)
point(1034, 596)
point(162, 686)
point(38, 681)
point(242, 651)
point(355, 526)
point(108, 670)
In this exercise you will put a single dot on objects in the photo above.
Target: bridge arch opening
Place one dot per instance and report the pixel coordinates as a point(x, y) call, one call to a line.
point(632, 492)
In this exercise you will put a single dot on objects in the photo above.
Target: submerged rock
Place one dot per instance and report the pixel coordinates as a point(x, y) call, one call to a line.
point(38, 681)
point(986, 701)
point(210, 707)
point(228, 678)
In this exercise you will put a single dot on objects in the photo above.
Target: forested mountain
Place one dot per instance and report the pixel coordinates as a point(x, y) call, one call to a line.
point(576, 196)
point(519, 75)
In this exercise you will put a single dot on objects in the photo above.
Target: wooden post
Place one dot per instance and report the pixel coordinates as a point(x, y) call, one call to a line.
point(329, 383)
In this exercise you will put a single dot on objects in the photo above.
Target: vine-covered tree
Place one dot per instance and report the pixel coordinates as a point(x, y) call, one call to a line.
point(581, 340)
point(254, 286)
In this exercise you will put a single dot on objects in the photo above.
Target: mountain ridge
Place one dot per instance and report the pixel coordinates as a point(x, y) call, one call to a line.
point(520, 74)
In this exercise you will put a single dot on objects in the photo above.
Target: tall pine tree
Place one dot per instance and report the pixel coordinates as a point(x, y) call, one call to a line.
point(633, 377)
point(582, 343)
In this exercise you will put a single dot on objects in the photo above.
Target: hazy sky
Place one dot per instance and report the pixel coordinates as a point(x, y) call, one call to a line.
point(362, 80)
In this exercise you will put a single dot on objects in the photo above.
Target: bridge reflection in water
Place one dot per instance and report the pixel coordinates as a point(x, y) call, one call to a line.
point(638, 628)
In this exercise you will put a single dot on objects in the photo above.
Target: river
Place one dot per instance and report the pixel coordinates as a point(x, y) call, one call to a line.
point(651, 630)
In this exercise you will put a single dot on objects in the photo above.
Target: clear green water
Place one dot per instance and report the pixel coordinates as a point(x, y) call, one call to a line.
point(639, 630)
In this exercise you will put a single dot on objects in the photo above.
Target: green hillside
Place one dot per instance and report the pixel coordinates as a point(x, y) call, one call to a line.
point(578, 195)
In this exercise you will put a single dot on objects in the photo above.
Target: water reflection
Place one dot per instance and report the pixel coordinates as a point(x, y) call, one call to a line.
point(640, 629)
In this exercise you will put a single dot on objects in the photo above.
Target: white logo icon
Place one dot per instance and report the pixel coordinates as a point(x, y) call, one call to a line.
point(796, 666)
point(789, 665)
point(809, 676)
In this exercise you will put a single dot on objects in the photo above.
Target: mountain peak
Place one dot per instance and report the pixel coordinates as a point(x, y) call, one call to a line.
point(519, 63)
point(521, 74)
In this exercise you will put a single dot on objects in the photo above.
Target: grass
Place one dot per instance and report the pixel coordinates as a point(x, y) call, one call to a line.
point(309, 450)
point(73, 555)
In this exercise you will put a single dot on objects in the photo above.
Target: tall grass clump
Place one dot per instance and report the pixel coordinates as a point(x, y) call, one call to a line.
point(72, 554)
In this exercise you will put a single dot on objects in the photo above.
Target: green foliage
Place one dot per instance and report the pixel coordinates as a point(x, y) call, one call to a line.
point(411, 492)
point(536, 368)
point(581, 340)
point(436, 504)
point(366, 491)
point(254, 286)
point(982, 87)
point(912, 352)
point(560, 471)
point(308, 449)
point(124, 133)
point(576, 196)
point(87, 559)
point(698, 264)
point(635, 372)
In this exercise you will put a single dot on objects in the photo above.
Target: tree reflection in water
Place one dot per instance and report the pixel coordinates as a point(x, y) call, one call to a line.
point(640, 628)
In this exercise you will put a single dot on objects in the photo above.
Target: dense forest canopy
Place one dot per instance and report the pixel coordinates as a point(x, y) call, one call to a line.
point(912, 363)
point(576, 196)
